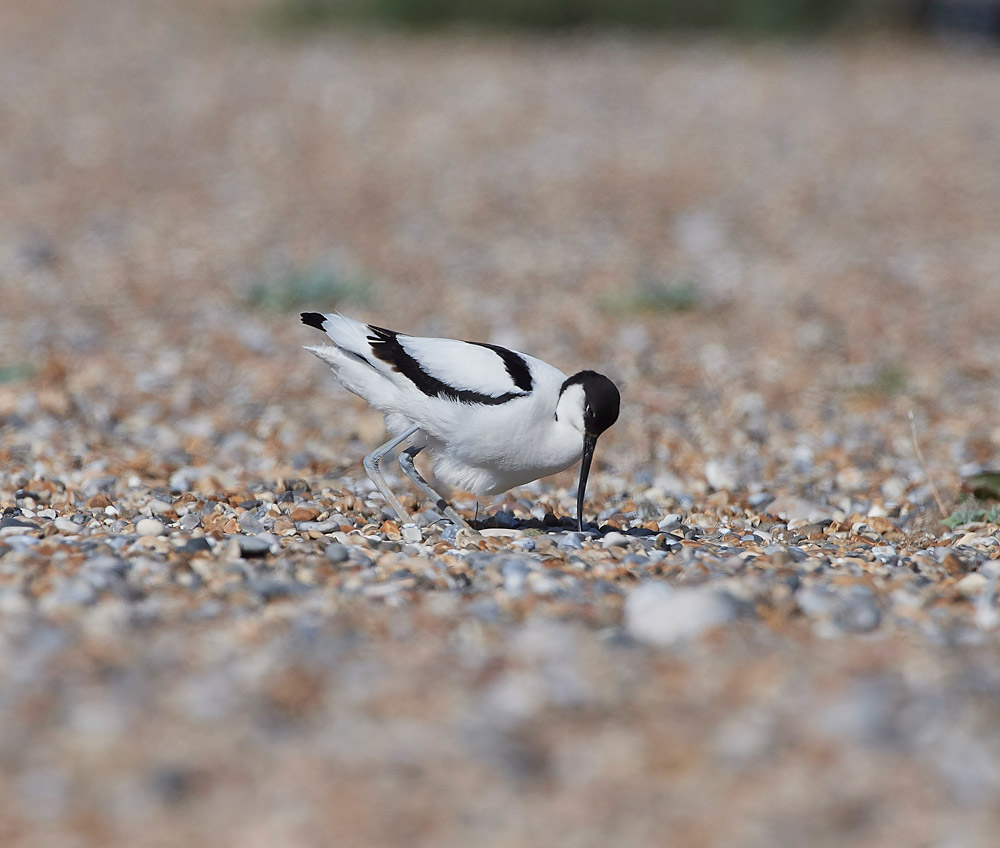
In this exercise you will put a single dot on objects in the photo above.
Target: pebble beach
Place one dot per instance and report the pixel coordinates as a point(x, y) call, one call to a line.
point(780, 628)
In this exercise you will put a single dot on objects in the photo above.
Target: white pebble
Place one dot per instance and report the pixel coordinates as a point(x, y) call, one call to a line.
point(64, 525)
point(411, 533)
point(158, 507)
point(972, 584)
point(990, 569)
point(149, 527)
point(614, 539)
point(660, 615)
point(721, 475)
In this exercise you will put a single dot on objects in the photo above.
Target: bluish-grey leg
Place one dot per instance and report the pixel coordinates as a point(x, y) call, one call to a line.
point(406, 463)
point(375, 474)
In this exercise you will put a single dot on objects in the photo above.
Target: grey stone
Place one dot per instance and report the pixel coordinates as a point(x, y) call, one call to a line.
point(270, 588)
point(105, 483)
point(20, 542)
point(336, 552)
point(249, 523)
point(990, 569)
point(359, 557)
point(17, 524)
point(197, 545)
point(858, 612)
point(253, 546)
point(515, 572)
point(671, 521)
point(109, 564)
point(571, 541)
point(816, 600)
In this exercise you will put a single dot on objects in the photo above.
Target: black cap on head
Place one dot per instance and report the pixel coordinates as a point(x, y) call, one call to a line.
point(601, 400)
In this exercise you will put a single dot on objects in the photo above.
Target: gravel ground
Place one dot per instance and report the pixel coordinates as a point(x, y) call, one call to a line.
point(211, 632)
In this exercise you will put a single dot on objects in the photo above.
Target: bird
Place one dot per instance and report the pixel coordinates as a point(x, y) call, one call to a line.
point(489, 418)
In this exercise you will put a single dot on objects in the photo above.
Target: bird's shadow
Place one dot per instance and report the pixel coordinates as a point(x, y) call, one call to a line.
point(550, 523)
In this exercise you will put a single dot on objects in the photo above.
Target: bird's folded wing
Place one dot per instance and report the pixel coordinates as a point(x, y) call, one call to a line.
point(465, 367)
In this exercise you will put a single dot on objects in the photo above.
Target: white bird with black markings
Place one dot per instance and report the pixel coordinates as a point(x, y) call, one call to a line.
point(490, 418)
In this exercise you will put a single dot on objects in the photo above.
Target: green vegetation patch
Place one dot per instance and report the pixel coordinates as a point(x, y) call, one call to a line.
point(15, 372)
point(968, 514)
point(315, 287)
point(656, 295)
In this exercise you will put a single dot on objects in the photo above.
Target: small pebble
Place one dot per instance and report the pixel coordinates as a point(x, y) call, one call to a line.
point(253, 546)
point(411, 533)
point(501, 532)
point(150, 527)
point(614, 539)
point(195, 546)
point(158, 507)
point(572, 541)
point(336, 552)
point(13, 524)
point(64, 525)
point(972, 584)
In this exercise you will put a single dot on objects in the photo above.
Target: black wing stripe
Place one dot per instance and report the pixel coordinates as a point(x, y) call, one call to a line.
point(386, 346)
point(516, 365)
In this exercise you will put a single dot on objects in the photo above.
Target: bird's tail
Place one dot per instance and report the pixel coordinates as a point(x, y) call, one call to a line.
point(350, 357)
point(347, 334)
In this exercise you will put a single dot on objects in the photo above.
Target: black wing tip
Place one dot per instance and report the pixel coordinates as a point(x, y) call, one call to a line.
point(313, 319)
point(517, 366)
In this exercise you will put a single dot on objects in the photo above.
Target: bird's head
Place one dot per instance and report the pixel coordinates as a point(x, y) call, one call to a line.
point(588, 402)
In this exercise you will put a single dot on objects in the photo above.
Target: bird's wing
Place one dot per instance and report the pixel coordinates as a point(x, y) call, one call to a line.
point(467, 372)
point(470, 372)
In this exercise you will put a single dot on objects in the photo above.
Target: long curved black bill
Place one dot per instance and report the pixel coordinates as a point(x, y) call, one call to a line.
point(588, 455)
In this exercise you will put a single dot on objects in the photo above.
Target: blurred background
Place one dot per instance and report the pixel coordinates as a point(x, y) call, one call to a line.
point(773, 222)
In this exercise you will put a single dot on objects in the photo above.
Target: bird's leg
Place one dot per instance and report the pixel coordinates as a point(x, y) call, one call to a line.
point(406, 463)
point(375, 474)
